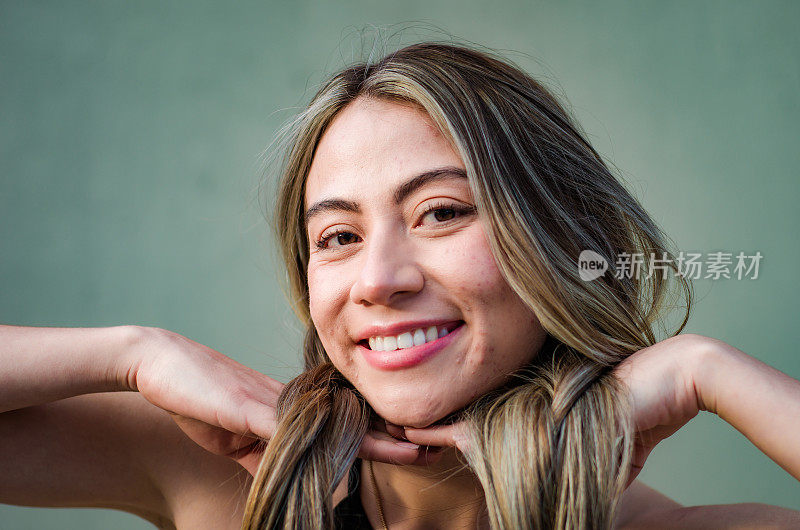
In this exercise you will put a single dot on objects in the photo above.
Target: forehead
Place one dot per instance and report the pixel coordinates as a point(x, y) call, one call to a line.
point(372, 145)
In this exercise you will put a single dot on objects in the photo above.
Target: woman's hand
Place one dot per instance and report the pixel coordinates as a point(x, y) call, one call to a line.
point(660, 382)
point(434, 437)
point(664, 394)
point(222, 405)
point(386, 442)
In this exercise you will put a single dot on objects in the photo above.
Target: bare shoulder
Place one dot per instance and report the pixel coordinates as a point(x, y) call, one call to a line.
point(215, 501)
point(644, 507)
point(116, 450)
point(640, 499)
point(200, 489)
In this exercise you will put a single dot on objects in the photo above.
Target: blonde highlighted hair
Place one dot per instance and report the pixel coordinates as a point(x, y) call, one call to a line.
point(552, 447)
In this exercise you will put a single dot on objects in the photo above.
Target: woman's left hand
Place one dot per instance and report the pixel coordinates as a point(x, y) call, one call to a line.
point(664, 395)
point(659, 380)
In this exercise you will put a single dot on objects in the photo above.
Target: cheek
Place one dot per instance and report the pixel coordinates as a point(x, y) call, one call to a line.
point(327, 295)
point(314, 295)
point(320, 306)
point(478, 276)
point(506, 330)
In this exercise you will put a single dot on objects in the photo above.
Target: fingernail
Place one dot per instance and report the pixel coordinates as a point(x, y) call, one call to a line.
point(407, 445)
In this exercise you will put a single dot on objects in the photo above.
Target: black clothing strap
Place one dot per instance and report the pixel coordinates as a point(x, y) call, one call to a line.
point(349, 514)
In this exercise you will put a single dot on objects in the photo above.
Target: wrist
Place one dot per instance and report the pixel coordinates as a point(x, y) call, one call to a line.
point(710, 361)
point(130, 340)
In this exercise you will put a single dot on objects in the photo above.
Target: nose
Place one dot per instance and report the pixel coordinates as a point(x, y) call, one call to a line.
point(388, 272)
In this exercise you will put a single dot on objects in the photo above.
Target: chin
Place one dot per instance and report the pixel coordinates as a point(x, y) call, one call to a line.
point(413, 413)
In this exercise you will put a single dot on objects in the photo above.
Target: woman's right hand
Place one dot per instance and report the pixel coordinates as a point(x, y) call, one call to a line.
point(222, 405)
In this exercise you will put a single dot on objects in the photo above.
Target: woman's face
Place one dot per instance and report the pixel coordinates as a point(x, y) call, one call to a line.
point(404, 291)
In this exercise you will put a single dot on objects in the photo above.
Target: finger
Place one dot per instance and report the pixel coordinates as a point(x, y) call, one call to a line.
point(259, 420)
point(378, 424)
point(440, 435)
point(256, 447)
point(250, 462)
point(640, 454)
point(381, 447)
point(210, 437)
point(388, 450)
point(395, 431)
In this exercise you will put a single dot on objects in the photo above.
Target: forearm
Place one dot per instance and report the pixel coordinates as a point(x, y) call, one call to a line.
point(759, 401)
point(40, 365)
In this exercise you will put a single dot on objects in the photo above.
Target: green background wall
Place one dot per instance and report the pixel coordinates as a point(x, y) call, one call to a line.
point(130, 136)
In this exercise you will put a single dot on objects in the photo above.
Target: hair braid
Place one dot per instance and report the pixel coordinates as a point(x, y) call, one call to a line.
point(321, 422)
point(550, 422)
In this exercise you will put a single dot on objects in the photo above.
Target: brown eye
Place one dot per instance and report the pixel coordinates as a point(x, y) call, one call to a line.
point(444, 214)
point(345, 238)
point(339, 239)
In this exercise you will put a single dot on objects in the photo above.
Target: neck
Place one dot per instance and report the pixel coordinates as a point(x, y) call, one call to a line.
point(442, 495)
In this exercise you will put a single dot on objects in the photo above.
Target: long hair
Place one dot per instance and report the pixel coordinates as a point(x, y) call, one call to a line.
point(552, 448)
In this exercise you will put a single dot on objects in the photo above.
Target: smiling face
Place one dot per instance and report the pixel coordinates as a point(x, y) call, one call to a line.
point(399, 259)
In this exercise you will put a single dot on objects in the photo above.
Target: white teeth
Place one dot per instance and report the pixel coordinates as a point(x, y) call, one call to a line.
point(389, 343)
point(431, 334)
point(405, 340)
point(408, 339)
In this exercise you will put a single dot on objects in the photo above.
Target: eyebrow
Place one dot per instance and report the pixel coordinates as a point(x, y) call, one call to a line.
point(400, 194)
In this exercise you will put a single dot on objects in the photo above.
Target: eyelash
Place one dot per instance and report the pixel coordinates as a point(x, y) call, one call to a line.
point(459, 210)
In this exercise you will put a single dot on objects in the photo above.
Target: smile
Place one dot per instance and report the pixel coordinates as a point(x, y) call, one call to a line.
point(409, 339)
point(409, 348)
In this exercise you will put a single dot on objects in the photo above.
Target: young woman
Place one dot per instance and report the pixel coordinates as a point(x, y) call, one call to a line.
point(459, 371)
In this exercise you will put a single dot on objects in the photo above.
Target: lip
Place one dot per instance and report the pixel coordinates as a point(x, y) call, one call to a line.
point(402, 327)
point(408, 357)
